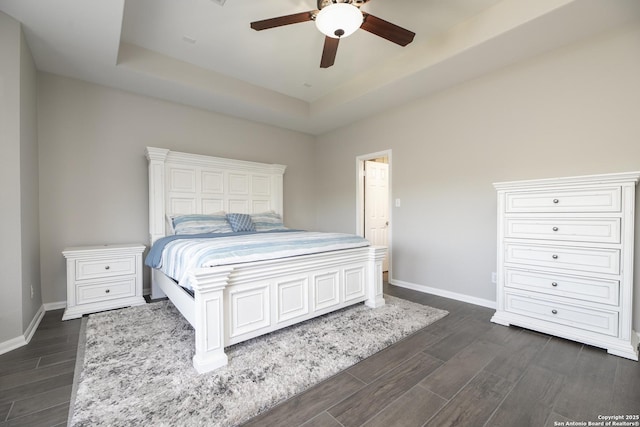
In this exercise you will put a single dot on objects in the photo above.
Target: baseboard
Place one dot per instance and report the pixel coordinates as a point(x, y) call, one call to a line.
point(55, 305)
point(31, 329)
point(12, 344)
point(444, 293)
point(24, 339)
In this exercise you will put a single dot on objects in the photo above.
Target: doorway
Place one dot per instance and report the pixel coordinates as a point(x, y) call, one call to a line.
point(373, 200)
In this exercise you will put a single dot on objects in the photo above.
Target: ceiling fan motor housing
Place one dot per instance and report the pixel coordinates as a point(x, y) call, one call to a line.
point(325, 3)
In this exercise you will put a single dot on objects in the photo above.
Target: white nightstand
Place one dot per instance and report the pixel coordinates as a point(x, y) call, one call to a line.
point(103, 278)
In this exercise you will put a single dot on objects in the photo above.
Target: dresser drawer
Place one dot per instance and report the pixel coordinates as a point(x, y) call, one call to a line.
point(605, 230)
point(572, 258)
point(601, 321)
point(606, 199)
point(105, 267)
point(104, 291)
point(586, 289)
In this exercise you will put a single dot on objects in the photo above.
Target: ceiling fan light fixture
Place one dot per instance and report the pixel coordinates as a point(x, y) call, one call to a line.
point(339, 20)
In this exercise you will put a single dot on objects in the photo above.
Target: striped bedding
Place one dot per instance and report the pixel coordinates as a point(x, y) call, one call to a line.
point(182, 255)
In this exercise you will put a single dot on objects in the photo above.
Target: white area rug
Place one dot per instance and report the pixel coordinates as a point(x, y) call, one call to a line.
point(137, 364)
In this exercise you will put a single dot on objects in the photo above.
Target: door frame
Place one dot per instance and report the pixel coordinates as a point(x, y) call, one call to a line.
point(360, 160)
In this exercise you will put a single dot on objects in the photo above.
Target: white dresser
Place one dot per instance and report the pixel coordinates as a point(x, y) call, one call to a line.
point(103, 278)
point(565, 258)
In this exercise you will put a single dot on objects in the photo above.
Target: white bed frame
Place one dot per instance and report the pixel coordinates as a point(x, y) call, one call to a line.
point(241, 301)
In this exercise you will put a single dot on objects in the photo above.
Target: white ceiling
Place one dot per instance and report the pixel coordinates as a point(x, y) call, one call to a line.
point(200, 53)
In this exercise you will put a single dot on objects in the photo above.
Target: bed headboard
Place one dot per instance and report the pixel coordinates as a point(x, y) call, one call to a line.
point(182, 183)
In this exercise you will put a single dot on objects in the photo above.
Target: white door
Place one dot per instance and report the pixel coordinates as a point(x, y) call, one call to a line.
point(376, 206)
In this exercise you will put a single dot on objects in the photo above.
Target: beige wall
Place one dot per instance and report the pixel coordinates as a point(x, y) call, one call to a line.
point(572, 111)
point(29, 186)
point(10, 303)
point(93, 171)
point(19, 242)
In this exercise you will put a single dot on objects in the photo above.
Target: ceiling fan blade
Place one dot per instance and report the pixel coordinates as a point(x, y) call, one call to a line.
point(329, 52)
point(265, 24)
point(387, 30)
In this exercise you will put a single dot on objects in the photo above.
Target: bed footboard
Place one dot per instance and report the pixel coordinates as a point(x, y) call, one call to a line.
point(239, 302)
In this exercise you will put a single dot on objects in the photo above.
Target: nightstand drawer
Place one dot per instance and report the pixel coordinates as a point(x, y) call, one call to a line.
point(579, 200)
point(104, 291)
point(87, 269)
point(571, 258)
point(601, 321)
point(605, 230)
point(579, 288)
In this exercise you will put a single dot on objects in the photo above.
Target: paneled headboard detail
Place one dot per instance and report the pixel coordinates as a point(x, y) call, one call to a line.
point(182, 183)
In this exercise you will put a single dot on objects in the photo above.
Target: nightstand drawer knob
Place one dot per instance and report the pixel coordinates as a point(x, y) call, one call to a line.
point(106, 267)
point(554, 256)
point(106, 291)
point(554, 284)
point(556, 201)
point(554, 311)
point(555, 228)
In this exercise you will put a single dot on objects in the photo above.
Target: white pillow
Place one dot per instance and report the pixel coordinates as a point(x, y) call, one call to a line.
point(267, 221)
point(201, 223)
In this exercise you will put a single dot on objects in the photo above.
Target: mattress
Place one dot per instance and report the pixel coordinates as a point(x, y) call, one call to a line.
point(175, 256)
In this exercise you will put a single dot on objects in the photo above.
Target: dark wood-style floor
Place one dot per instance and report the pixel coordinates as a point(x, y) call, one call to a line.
point(35, 380)
point(460, 371)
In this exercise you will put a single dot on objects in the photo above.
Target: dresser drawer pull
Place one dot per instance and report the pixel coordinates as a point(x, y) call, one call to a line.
point(554, 284)
point(555, 228)
point(554, 311)
point(554, 256)
point(106, 291)
point(556, 201)
point(106, 267)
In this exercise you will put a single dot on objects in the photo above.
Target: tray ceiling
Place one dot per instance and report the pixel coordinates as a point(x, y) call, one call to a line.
point(203, 53)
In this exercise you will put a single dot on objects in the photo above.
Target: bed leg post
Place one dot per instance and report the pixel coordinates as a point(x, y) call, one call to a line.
point(208, 285)
point(156, 292)
point(374, 277)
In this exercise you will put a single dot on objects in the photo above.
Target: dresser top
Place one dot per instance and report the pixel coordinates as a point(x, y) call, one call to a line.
point(609, 178)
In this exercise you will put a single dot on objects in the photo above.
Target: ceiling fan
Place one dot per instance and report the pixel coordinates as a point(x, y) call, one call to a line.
point(337, 19)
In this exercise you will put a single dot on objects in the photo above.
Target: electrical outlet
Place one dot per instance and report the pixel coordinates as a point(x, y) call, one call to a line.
point(493, 277)
point(31, 291)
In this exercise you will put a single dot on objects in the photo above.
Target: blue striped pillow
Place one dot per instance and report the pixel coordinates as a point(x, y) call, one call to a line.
point(240, 222)
point(267, 221)
point(197, 223)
